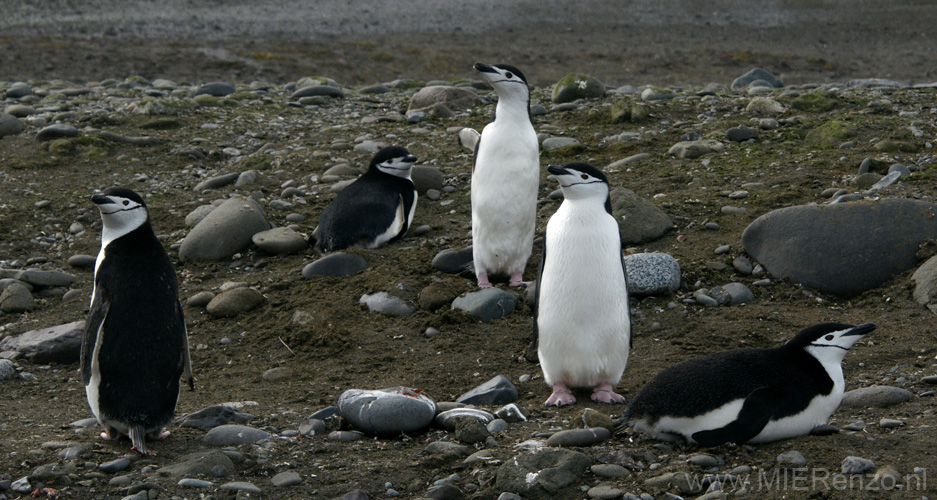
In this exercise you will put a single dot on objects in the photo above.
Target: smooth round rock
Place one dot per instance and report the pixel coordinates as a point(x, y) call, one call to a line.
point(486, 305)
point(425, 178)
point(16, 298)
point(117, 465)
point(280, 240)
point(9, 125)
point(792, 459)
point(454, 261)
point(189, 482)
point(385, 303)
point(387, 411)
point(225, 231)
point(336, 264)
point(287, 478)
point(880, 396)
point(217, 89)
point(57, 131)
point(233, 302)
point(232, 435)
point(447, 419)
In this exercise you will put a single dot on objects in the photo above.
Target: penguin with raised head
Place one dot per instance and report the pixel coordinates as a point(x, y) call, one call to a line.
point(748, 395)
point(375, 209)
point(582, 320)
point(504, 181)
point(135, 347)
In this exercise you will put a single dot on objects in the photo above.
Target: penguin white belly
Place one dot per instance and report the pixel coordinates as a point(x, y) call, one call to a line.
point(666, 427)
point(582, 317)
point(395, 226)
point(816, 413)
point(504, 197)
point(92, 389)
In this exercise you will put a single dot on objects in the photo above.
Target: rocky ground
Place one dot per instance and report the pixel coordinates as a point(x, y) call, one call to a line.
point(306, 341)
point(293, 343)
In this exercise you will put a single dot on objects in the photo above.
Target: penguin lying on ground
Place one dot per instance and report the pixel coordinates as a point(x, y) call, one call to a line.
point(748, 395)
point(504, 181)
point(375, 209)
point(134, 347)
point(582, 317)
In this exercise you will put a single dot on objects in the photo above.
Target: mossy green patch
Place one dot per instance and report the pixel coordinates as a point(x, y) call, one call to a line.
point(816, 102)
point(208, 101)
point(831, 134)
point(257, 162)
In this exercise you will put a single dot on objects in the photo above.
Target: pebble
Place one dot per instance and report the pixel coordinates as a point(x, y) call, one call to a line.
point(16, 298)
point(387, 304)
point(576, 86)
point(703, 460)
point(454, 261)
point(232, 435)
point(287, 478)
point(194, 483)
point(113, 466)
point(240, 486)
point(426, 178)
point(579, 437)
point(498, 390)
point(225, 231)
point(791, 459)
point(9, 125)
point(610, 471)
point(889, 423)
point(880, 396)
point(7, 369)
point(741, 133)
point(856, 465)
point(216, 182)
point(447, 419)
point(558, 142)
point(336, 264)
point(231, 303)
point(57, 131)
point(604, 492)
point(217, 89)
point(279, 241)
point(345, 436)
point(486, 305)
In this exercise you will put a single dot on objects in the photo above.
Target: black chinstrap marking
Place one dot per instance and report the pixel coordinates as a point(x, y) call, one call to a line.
point(830, 345)
point(582, 183)
point(121, 210)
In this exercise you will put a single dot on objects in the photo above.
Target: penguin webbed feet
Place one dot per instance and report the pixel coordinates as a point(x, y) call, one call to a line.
point(560, 397)
point(604, 394)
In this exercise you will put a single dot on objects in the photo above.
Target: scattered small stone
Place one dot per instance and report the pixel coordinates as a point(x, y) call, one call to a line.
point(498, 390)
point(487, 304)
point(240, 486)
point(890, 423)
point(113, 466)
point(856, 465)
point(579, 437)
point(791, 459)
point(287, 478)
point(880, 396)
point(230, 434)
point(189, 482)
point(336, 264)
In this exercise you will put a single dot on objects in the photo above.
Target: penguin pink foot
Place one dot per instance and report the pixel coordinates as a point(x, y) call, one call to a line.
point(561, 396)
point(517, 280)
point(163, 434)
point(483, 280)
point(603, 393)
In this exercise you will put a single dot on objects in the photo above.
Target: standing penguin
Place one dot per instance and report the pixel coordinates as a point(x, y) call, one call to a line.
point(504, 181)
point(135, 346)
point(375, 209)
point(748, 395)
point(582, 320)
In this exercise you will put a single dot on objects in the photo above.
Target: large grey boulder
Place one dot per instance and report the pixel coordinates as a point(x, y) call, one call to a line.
point(58, 344)
point(542, 474)
point(639, 220)
point(843, 249)
point(387, 411)
point(455, 98)
point(225, 231)
point(925, 284)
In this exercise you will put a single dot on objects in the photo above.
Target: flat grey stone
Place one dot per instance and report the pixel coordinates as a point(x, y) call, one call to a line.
point(39, 278)
point(610, 471)
point(652, 274)
point(194, 483)
point(217, 89)
point(579, 437)
point(856, 465)
point(7, 369)
point(732, 294)
point(890, 423)
point(230, 303)
point(225, 231)
point(487, 304)
point(18, 90)
point(497, 391)
point(217, 181)
point(815, 245)
point(336, 264)
point(240, 486)
point(287, 478)
point(57, 131)
point(280, 240)
point(49, 473)
point(387, 411)
point(345, 436)
point(318, 90)
point(196, 216)
point(214, 416)
point(880, 396)
point(741, 133)
point(695, 149)
point(791, 459)
point(81, 260)
point(925, 284)
point(387, 304)
point(639, 220)
point(117, 465)
point(353, 495)
point(447, 450)
point(447, 419)
point(425, 178)
point(604, 492)
point(454, 261)
point(558, 142)
point(232, 435)
point(444, 492)
point(58, 344)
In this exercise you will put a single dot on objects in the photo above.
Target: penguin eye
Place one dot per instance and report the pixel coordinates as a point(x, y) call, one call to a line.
point(126, 203)
point(509, 74)
point(584, 176)
point(829, 337)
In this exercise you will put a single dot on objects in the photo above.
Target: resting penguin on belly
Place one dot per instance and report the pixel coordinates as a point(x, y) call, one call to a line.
point(748, 395)
point(134, 347)
point(375, 209)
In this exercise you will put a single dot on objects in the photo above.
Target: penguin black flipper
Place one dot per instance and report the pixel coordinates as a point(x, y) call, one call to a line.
point(531, 353)
point(93, 324)
point(757, 410)
point(186, 360)
point(344, 224)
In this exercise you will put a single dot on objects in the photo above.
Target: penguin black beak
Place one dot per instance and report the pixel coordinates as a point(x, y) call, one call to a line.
point(410, 159)
point(100, 199)
point(484, 68)
point(860, 330)
point(557, 170)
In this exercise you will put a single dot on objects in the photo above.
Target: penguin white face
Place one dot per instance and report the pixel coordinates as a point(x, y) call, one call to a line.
point(122, 211)
point(394, 160)
point(506, 79)
point(580, 181)
point(829, 342)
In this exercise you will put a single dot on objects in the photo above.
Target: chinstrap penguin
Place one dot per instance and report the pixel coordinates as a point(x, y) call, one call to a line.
point(375, 209)
point(504, 181)
point(134, 347)
point(748, 395)
point(582, 320)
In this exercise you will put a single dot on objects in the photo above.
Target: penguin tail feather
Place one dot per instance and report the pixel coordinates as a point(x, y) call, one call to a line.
point(138, 438)
point(623, 423)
